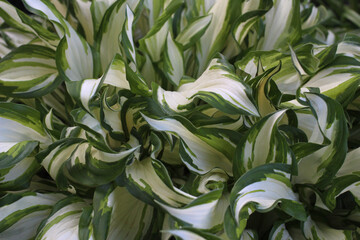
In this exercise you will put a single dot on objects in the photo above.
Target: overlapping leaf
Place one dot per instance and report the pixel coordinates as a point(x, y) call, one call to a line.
point(133, 110)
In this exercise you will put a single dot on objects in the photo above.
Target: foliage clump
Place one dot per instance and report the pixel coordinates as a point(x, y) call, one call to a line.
point(185, 119)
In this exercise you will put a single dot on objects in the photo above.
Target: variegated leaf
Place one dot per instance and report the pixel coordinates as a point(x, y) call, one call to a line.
point(287, 78)
point(206, 212)
point(21, 132)
point(148, 180)
point(348, 183)
point(155, 39)
point(192, 234)
point(109, 33)
point(20, 123)
point(350, 46)
point(18, 176)
point(200, 150)
point(223, 13)
point(217, 85)
point(18, 38)
point(320, 166)
point(347, 179)
point(29, 71)
point(251, 12)
point(89, 166)
point(313, 16)
point(282, 25)
point(338, 81)
point(349, 167)
point(83, 13)
point(21, 21)
point(193, 31)
point(21, 214)
point(320, 231)
point(54, 157)
point(13, 152)
point(118, 214)
point(174, 61)
point(74, 56)
point(98, 10)
point(116, 74)
point(279, 232)
point(261, 189)
point(127, 37)
point(262, 144)
point(81, 163)
point(63, 220)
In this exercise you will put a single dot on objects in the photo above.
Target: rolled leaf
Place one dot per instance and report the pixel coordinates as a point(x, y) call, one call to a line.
point(198, 151)
point(261, 189)
point(261, 145)
point(323, 164)
point(148, 180)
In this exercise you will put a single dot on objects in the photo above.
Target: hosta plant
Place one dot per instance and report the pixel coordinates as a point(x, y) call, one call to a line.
point(180, 119)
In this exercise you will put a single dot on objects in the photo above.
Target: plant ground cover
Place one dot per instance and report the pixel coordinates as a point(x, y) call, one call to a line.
point(180, 119)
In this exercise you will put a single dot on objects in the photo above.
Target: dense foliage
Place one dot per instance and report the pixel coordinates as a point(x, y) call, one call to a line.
point(185, 119)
